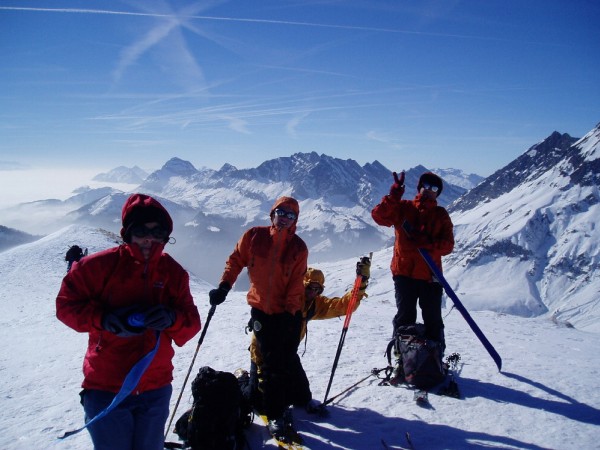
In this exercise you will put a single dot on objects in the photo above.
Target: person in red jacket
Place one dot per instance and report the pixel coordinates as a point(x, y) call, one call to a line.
point(276, 259)
point(428, 227)
point(125, 298)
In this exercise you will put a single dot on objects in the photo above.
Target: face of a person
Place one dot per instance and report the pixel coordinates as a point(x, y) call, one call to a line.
point(283, 218)
point(145, 235)
point(429, 191)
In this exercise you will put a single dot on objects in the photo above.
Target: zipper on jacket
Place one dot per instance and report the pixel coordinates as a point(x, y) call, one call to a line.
point(98, 344)
point(277, 238)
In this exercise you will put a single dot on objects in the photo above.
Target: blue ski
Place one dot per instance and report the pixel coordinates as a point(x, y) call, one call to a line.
point(458, 304)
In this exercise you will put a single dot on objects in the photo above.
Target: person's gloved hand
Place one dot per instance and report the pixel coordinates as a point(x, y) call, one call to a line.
point(217, 296)
point(159, 317)
point(397, 189)
point(116, 321)
point(363, 268)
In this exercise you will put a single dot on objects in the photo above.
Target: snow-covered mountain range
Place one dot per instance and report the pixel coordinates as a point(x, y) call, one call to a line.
point(212, 208)
point(526, 240)
point(527, 235)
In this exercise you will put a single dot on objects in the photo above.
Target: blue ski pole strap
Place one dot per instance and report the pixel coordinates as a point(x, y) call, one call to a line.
point(131, 381)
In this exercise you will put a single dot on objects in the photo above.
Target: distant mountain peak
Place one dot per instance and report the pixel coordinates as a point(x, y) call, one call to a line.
point(535, 160)
point(178, 166)
point(122, 174)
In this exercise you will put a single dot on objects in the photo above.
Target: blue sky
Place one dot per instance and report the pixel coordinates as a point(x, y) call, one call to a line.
point(464, 84)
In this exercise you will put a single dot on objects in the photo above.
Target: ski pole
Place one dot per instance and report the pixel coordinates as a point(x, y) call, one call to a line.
point(349, 310)
point(374, 372)
point(211, 312)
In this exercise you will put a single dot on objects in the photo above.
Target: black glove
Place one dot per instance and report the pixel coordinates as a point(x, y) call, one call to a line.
point(159, 317)
point(217, 296)
point(117, 322)
point(363, 268)
point(397, 189)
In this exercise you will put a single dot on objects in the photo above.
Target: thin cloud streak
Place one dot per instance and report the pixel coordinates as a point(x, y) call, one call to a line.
point(264, 21)
point(189, 69)
point(132, 53)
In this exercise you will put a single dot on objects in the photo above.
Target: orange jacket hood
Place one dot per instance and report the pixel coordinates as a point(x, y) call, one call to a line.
point(289, 204)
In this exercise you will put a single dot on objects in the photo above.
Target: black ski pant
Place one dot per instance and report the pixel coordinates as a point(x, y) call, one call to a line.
point(297, 390)
point(278, 337)
point(409, 291)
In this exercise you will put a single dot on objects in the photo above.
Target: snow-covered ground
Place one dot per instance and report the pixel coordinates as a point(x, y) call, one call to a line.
point(546, 396)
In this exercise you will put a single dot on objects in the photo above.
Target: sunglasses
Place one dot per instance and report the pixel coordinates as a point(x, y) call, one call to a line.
point(282, 213)
point(142, 231)
point(430, 187)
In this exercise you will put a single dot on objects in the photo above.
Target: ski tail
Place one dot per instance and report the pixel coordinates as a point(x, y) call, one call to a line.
point(290, 441)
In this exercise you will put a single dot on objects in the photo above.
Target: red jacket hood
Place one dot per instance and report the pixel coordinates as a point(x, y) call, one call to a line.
point(143, 208)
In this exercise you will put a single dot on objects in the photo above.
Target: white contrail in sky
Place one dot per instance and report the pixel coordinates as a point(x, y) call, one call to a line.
point(237, 19)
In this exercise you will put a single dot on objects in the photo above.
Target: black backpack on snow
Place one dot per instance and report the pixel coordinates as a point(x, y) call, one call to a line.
point(419, 358)
point(215, 421)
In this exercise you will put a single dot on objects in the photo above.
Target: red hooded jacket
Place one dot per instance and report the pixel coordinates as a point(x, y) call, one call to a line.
point(432, 227)
point(120, 277)
point(276, 262)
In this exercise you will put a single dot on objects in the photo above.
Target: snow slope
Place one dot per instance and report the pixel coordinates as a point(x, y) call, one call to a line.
point(545, 398)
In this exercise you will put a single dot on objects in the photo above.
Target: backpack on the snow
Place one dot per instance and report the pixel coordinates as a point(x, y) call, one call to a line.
point(215, 421)
point(419, 360)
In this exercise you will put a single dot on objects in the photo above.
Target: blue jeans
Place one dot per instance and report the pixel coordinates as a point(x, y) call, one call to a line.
point(137, 423)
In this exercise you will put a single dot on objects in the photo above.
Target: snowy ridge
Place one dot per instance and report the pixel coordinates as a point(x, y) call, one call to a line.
point(534, 404)
point(533, 246)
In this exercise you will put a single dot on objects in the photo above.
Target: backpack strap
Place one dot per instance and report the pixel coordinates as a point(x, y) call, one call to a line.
point(388, 350)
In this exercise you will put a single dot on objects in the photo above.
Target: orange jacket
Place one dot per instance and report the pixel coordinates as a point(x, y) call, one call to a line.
point(276, 261)
point(430, 222)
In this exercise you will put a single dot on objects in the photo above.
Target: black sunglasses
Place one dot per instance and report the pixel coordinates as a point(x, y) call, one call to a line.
point(281, 213)
point(142, 231)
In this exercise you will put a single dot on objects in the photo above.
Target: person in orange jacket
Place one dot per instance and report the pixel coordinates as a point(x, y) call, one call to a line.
point(100, 296)
point(315, 307)
point(276, 259)
point(429, 227)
